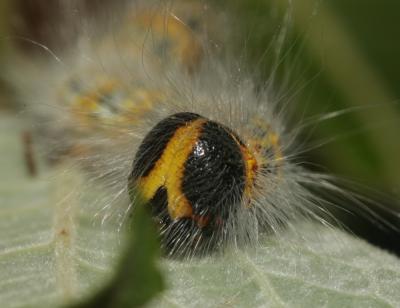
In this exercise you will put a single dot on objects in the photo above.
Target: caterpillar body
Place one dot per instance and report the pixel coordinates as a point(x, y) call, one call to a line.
point(149, 110)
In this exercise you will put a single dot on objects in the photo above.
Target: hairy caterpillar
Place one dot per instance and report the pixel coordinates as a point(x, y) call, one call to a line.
point(144, 94)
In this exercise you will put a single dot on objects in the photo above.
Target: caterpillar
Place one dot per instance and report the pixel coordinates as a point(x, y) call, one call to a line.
point(150, 111)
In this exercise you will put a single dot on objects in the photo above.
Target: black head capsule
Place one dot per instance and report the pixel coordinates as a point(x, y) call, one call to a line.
point(195, 174)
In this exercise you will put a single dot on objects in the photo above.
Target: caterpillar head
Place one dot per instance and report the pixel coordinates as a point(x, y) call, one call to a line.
point(196, 175)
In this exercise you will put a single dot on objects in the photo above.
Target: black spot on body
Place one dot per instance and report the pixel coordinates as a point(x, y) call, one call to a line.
point(214, 177)
point(160, 204)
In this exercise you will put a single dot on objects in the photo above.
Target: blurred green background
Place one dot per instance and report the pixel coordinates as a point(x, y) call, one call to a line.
point(338, 55)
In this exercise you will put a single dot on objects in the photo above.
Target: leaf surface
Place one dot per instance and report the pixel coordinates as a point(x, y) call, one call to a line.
point(53, 252)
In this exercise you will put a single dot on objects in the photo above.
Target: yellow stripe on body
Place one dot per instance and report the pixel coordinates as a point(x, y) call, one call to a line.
point(133, 106)
point(169, 170)
point(251, 166)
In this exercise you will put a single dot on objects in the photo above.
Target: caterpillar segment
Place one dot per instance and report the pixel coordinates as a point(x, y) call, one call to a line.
point(197, 176)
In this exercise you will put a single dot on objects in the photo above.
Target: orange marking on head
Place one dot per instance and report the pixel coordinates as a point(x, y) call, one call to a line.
point(251, 167)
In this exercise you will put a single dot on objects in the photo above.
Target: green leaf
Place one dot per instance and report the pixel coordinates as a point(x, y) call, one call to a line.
point(52, 254)
point(137, 279)
point(311, 267)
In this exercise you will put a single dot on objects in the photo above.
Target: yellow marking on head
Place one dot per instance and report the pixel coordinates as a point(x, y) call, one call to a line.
point(169, 170)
